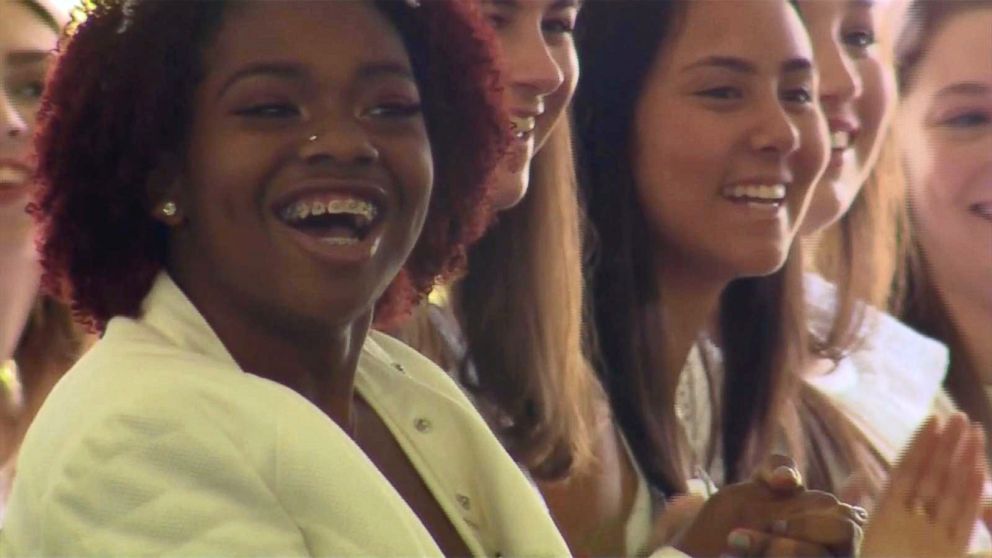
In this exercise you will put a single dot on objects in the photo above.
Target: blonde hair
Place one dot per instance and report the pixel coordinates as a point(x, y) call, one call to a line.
point(520, 307)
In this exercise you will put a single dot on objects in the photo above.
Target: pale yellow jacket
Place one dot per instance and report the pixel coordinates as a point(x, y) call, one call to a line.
point(157, 443)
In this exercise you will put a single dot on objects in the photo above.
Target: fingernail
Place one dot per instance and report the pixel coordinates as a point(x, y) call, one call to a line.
point(790, 473)
point(780, 526)
point(738, 540)
point(862, 513)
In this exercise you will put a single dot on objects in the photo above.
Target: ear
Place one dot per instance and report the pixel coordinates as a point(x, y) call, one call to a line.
point(165, 193)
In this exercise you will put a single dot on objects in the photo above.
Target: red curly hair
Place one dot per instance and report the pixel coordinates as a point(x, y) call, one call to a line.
point(120, 98)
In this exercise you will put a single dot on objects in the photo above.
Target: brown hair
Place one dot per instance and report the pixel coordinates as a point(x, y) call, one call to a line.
point(520, 307)
point(859, 254)
point(761, 322)
point(922, 307)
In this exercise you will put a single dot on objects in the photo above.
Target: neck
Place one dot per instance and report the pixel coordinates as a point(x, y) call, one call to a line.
point(689, 302)
point(317, 360)
point(969, 305)
point(973, 325)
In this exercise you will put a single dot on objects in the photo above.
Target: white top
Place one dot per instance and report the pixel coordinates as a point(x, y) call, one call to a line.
point(157, 443)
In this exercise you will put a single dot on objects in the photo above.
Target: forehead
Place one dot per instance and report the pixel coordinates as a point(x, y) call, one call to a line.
point(22, 30)
point(756, 29)
point(331, 36)
point(944, 63)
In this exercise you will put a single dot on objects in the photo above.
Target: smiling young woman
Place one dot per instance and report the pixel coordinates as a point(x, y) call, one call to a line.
point(234, 192)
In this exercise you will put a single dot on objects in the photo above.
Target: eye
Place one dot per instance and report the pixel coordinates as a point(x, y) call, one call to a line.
point(269, 110)
point(800, 95)
point(860, 39)
point(966, 120)
point(722, 93)
point(31, 91)
point(497, 21)
point(395, 110)
point(558, 26)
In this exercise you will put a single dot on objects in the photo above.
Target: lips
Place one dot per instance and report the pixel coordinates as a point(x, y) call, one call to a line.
point(15, 180)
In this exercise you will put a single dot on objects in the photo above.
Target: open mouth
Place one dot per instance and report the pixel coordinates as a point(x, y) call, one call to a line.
point(522, 127)
point(840, 140)
point(14, 182)
point(335, 219)
point(756, 195)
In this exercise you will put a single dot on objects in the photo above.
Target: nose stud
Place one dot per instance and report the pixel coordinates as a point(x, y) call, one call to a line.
point(312, 138)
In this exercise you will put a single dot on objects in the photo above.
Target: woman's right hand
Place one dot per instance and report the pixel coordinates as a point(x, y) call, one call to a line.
point(932, 500)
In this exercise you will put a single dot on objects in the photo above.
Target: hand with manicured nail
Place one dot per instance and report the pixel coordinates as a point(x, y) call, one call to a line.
point(774, 515)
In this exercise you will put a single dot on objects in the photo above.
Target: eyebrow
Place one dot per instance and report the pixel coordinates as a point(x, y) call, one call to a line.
point(26, 57)
point(742, 66)
point(557, 5)
point(970, 88)
point(294, 71)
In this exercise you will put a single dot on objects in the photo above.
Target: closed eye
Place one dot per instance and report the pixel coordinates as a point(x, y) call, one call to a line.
point(269, 110)
point(722, 93)
point(395, 110)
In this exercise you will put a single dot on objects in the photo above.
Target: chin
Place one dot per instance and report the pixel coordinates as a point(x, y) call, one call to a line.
point(760, 262)
point(509, 188)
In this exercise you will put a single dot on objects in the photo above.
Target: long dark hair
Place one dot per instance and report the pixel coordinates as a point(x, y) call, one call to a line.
point(760, 319)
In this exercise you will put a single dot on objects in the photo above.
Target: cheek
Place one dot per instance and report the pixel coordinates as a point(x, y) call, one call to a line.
point(413, 167)
point(811, 158)
point(876, 106)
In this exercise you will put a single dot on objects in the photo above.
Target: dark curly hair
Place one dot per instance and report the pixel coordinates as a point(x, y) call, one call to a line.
point(120, 99)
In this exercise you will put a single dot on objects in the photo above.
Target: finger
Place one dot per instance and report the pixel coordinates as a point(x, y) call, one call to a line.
point(856, 513)
point(748, 542)
point(780, 474)
point(856, 489)
point(960, 508)
point(930, 487)
point(840, 535)
point(914, 458)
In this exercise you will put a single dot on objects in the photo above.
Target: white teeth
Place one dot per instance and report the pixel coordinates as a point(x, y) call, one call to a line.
point(984, 209)
point(521, 126)
point(363, 210)
point(13, 175)
point(774, 192)
point(339, 240)
point(840, 139)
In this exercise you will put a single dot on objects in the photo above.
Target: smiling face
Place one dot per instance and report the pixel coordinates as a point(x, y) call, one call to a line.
point(308, 167)
point(857, 94)
point(946, 134)
point(26, 42)
point(728, 138)
point(540, 70)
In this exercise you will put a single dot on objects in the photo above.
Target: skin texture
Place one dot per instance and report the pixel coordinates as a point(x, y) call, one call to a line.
point(540, 70)
point(932, 501)
point(857, 94)
point(285, 310)
point(703, 126)
point(946, 137)
point(25, 44)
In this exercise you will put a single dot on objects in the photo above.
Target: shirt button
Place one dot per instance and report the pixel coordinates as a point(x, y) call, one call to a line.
point(423, 425)
point(464, 501)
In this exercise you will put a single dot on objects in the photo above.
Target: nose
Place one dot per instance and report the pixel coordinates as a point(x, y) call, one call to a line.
point(530, 70)
point(342, 140)
point(839, 82)
point(774, 130)
point(13, 127)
